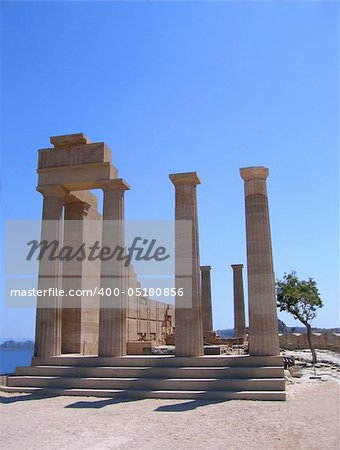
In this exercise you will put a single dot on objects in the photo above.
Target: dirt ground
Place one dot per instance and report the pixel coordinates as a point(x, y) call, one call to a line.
point(309, 419)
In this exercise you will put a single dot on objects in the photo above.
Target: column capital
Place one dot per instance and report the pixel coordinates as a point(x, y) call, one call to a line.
point(53, 190)
point(118, 184)
point(189, 178)
point(254, 173)
point(237, 266)
point(205, 268)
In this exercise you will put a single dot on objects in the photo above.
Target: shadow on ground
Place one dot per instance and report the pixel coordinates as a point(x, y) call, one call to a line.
point(97, 404)
point(25, 398)
point(41, 395)
point(188, 406)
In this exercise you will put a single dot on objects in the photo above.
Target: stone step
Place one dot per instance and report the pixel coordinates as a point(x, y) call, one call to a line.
point(164, 360)
point(161, 394)
point(271, 384)
point(152, 372)
point(211, 377)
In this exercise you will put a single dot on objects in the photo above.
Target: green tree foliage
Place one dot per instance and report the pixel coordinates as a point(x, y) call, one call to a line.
point(300, 298)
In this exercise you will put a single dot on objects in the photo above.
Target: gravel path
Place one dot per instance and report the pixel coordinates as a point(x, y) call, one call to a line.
point(308, 420)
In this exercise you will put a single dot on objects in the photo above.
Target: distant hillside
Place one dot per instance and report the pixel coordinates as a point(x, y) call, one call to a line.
point(225, 333)
point(25, 345)
point(315, 330)
point(229, 332)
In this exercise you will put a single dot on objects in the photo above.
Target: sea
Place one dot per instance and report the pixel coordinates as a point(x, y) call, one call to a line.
point(11, 358)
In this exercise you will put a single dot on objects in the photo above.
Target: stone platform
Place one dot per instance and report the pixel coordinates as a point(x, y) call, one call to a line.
point(169, 377)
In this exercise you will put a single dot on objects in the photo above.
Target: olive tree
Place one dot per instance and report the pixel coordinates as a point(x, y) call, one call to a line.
point(300, 298)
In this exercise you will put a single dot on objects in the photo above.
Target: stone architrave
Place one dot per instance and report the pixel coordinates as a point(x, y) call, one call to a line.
point(206, 299)
point(239, 315)
point(48, 314)
point(112, 314)
point(188, 310)
point(263, 324)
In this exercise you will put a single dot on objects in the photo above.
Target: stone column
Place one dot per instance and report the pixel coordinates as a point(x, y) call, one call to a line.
point(239, 316)
point(92, 230)
point(263, 324)
point(112, 314)
point(48, 315)
point(189, 333)
point(75, 213)
point(206, 299)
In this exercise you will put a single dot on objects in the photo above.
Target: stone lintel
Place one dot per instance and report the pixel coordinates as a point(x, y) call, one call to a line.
point(205, 268)
point(254, 173)
point(53, 190)
point(83, 197)
point(190, 178)
point(78, 177)
point(237, 266)
point(118, 184)
point(69, 139)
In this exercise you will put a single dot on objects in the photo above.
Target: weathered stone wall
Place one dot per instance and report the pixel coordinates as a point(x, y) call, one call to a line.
point(322, 341)
point(149, 320)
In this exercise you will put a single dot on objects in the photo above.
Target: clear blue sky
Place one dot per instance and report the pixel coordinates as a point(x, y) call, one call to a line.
point(186, 86)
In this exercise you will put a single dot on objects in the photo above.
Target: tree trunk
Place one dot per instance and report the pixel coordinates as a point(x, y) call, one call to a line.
point(310, 342)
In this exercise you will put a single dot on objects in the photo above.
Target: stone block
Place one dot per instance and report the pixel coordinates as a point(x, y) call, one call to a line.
point(139, 347)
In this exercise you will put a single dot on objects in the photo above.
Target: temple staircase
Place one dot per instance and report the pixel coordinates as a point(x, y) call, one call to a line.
point(169, 377)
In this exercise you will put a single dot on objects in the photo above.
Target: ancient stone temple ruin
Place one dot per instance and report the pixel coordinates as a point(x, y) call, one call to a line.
point(96, 349)
point(66, 173)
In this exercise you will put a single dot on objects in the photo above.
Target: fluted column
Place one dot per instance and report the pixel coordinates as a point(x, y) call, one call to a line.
point(48, 315)
point(263, 325)
point(112, 314)
point(239, 316)
point(75, 213)
point(206, 299)
point(189, 333)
